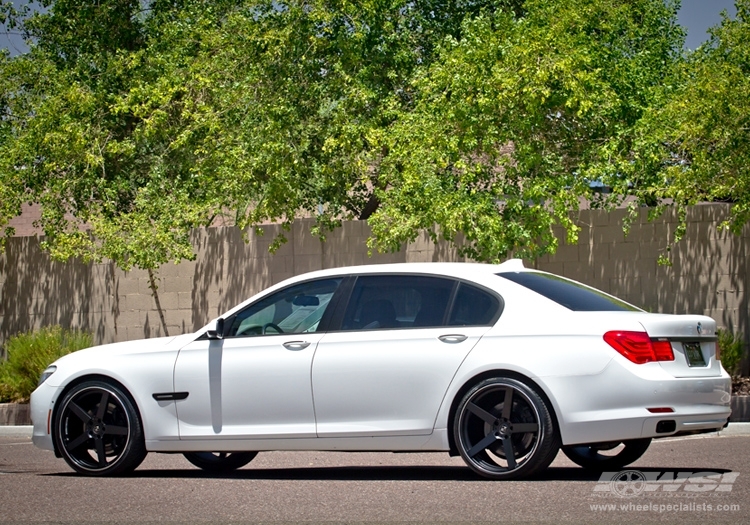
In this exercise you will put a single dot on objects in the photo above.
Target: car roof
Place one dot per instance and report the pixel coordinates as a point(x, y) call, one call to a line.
point(453, 269)
point(467, 270)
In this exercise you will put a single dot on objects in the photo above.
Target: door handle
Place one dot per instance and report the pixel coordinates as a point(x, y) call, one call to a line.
point(453, 338)
point(296, 345)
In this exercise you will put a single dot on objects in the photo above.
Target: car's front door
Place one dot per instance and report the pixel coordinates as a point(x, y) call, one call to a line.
point(255, 383)
point(401, 340)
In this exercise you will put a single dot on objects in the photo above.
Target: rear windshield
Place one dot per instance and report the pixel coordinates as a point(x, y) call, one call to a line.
point(569, 294)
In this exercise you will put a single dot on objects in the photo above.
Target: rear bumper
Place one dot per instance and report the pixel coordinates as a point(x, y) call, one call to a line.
point(590, 410)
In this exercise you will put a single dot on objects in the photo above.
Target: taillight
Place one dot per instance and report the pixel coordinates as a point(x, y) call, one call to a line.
point(638, 346)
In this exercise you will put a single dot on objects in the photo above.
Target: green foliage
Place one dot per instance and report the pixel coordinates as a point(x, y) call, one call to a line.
point(513, 120)
point(732, 348)
point(482, 121)
point(695, 144)
point(103, 128)
point(28, 354)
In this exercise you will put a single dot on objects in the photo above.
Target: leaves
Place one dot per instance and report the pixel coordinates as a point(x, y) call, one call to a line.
point(515, 119)
point(480, 121)
point(698, 137)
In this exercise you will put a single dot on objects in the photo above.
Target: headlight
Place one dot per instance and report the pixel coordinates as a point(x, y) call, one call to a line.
point(45, 375)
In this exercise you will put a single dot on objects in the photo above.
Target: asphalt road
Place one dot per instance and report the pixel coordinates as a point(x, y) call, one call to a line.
point(709, 482)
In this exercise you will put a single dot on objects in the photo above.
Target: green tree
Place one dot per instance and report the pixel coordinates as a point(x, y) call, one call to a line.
point(102, 126)
point(515, 119)
point(696, 142)
point(133, 122)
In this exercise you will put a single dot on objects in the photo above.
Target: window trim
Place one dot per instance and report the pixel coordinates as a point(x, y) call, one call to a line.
point(342, 305)
point(322, 325)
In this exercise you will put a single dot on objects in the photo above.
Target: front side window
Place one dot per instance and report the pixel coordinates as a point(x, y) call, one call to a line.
point(293, 310)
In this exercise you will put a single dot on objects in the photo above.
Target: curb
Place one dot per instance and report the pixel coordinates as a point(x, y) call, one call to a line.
point(16, 430)
point(733, 430)
point(740, 409)
point(12, 414)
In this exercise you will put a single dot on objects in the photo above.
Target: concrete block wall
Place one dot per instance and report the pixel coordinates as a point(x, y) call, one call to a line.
point(709, 274)
point(709, 270)
point(119, 306)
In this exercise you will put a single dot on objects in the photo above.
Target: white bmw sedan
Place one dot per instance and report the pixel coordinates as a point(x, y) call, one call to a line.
point(500, 364)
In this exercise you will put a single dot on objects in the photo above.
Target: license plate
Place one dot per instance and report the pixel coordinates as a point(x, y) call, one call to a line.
point(694, 354)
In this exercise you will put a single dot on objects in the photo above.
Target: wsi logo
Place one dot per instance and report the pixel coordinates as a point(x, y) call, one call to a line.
point(630, 483)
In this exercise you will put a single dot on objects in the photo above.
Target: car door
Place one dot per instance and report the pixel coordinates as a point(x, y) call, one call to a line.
point(255, 382)
point(401, 338)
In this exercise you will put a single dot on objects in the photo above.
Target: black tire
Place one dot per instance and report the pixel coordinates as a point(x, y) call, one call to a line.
point(98, 430)
point(220, 462)
point(500, 440)
point(607, 456)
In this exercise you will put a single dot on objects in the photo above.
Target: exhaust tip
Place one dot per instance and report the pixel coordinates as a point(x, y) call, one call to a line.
point(666, 426)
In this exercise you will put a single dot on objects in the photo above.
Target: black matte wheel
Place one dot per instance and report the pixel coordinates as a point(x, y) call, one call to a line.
point(607, 456)
point(220, 462)
point(504, 430)
point(98, 430)
point(274, 326)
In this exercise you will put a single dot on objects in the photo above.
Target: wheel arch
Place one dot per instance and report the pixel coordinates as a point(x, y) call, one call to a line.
point(74, 383)
point(499, 372)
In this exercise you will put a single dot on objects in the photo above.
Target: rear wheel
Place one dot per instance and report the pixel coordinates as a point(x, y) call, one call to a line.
point(504, 430)
point(220, 462)
point(607, 456)
point(98, 430)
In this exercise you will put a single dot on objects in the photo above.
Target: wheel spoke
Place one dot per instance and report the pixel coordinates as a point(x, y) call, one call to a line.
point(97, 431)
point(507, 403)
point(522, 428)
point(509, 455)
point(115, 430)
point(79, 412)
point(103, 405)
point(481, 413)
point(100, 455)
point(77, 442)
point(483, 444)
point(503, 430)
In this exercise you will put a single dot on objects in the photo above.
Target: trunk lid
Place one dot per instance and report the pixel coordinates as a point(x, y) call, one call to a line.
point(693, 339)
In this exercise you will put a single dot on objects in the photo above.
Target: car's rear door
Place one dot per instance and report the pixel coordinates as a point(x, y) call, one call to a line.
point(400, 341)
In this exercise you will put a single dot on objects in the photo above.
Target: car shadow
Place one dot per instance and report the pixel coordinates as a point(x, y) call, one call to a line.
point(391, 473)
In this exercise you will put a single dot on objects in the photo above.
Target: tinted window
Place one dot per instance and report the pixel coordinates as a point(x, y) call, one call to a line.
point(568, 293)
point(473, 307)
point(292, 310)
point(397, 301)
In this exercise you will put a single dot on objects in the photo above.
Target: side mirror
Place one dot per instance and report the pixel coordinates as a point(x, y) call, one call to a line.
point(218, 331)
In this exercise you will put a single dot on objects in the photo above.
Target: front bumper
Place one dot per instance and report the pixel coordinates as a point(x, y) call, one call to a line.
point(42, 405)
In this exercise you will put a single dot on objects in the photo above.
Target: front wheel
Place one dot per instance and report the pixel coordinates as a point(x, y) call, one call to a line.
point(607, 456)
point(98, 430)
point(220, 462)
point(504, 430)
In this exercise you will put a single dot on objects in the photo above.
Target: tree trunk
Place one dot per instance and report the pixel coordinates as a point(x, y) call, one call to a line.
point(155, 293)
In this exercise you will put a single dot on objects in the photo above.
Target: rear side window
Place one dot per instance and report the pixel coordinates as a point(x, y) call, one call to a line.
point(473, 307)
point(417, 301)
point(570, 294)
point(397, 301)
